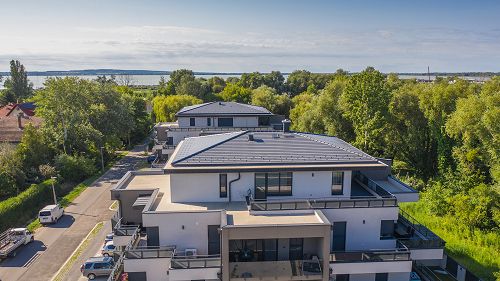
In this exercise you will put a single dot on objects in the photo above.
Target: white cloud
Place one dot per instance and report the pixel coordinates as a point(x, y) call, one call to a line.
point(171, 47)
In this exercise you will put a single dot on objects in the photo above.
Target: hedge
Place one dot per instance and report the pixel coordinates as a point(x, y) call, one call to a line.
point(17, 211)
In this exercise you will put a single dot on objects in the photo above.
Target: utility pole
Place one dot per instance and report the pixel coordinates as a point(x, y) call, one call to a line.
point(54, 190)
point(429, 74)
point(102, 158)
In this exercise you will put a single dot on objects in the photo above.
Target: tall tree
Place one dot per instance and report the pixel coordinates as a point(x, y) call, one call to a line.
point(365, 103)
point(17, 86)
point(267, 97)
point(237, 93)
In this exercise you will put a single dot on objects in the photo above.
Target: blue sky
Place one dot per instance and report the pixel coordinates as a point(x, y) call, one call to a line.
point(257, 35)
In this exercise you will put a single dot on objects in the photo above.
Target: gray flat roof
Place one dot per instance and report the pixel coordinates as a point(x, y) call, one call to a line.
point(267, 149)
point(222, 108)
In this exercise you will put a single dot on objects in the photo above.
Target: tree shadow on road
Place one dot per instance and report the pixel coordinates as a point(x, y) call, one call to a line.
point(64, 222)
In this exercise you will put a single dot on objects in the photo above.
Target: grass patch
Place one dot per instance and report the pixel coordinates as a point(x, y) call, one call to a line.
point(478, 251)
point(69, 263)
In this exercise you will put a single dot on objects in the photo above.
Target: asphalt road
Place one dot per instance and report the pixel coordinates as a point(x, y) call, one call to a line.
point(54, 244)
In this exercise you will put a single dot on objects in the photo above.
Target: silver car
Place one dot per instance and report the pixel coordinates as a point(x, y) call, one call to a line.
point(97, 266)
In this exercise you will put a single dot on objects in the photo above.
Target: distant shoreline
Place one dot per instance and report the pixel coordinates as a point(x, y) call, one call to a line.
point(94, 72)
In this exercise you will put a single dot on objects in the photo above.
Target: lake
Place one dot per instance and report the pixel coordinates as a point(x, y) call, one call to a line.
point(149, 80)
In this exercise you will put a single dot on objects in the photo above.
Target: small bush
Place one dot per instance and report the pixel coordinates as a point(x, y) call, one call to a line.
point(74, 168)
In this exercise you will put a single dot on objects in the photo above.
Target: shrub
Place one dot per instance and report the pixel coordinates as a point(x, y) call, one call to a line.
point(74, 168)
point(15, 211)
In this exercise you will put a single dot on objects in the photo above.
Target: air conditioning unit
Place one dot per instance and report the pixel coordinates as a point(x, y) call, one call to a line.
point(190, 252)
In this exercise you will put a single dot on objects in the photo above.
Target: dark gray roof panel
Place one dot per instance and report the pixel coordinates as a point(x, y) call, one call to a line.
point(269, 148)
point(192, 146)
point(222, 108)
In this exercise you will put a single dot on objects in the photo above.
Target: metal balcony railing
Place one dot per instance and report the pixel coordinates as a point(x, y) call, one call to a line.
point(145, 252)
point(417, 236)
point(124, 230)
point(192, 262)
point(327, 203)
point(371, 184)
point(225, 129)
point(383, 255)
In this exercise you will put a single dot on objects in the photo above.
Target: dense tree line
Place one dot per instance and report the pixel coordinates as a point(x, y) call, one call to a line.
point(443, 136)
point(79, 117)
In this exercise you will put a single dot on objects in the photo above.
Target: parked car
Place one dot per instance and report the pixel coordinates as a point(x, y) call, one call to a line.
point(11, 239)
point(109, 237)
point(50, 214)
point(97, 266)
point(151, 158)
point(108, 249)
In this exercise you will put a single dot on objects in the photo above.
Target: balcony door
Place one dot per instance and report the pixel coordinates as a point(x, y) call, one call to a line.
point(296, 248)
point(260, 186)
point(338, 236)
point(213, 240)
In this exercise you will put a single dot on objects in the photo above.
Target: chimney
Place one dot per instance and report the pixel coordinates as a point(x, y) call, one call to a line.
point(250, 137)
point(286, 125)
point(19, 125)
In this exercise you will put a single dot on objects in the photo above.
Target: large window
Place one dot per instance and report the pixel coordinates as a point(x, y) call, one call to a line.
point(273, 184)
point(342, 277)
point(337, 183)
point(191, 122)
point(381, 276)
point(209, 122)
point(252, 250)
point(386, 229)
point(223, 185)
point(225, 122)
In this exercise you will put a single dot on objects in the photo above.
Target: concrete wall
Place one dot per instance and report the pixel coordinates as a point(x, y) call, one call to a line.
point(185, 230)
point(201, 122)
point(127, 199)
point(193, 274)
point(363, 226)
point(205, 187)
point(156, 269)
point(392, 276)
point(178, 136)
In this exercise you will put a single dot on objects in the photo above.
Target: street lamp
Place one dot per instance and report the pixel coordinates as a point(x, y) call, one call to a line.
point(54, 190)
point(102, 158)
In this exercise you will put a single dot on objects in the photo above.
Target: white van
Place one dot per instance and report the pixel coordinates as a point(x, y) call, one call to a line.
point(50, 214)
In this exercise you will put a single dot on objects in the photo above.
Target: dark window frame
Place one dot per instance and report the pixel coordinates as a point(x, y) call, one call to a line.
point(335, 184)
point(223, 185)
point(281, 185)
point(209, 122)
point(387, 231)
point(221, 122)
point(381, 276)
point(192, 122)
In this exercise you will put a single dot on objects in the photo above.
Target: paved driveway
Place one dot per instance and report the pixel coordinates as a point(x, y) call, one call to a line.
point(53, 245)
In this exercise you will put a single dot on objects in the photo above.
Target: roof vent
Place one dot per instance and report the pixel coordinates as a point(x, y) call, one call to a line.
point(250, 137)
point(286, 125)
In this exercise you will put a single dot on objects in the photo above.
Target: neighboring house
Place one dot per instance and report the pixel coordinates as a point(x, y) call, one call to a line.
point(14, 118)
point(212, 118)
point(275, 205)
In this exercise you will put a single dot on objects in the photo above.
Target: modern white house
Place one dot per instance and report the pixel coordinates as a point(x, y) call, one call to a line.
point(212, 118)
point(269, 205)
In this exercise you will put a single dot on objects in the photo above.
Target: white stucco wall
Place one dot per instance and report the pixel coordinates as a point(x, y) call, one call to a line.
point(201, 122)
point(156, 269)
point(185, 230)
point(205, 187)
point(363, 235)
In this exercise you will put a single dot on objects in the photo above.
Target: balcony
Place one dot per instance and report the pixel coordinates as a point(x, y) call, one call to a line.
point(327, 203)
point(389, 187)
point(123, 234)
point(371, 261)
point(423, 243)
point(200, 267)
point(276, 270)
point(146, 252)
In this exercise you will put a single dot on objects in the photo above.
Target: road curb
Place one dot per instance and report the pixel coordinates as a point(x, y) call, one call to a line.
point(86, 238)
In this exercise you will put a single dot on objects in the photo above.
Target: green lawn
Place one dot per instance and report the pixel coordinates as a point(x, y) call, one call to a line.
point(478, 251)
